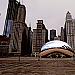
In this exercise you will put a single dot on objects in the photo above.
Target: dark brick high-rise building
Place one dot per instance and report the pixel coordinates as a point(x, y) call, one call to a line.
point(52, 34)
point(16, 29)
point(40, 36)
point(19, 35)
point(20, 40)
point(62, 34)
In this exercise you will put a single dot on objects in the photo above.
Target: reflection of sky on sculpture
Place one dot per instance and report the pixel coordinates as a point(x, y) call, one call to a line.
point(51, 11)
point(54, 44)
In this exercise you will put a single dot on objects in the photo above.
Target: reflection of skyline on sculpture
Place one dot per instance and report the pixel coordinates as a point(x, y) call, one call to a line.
point(49, 11)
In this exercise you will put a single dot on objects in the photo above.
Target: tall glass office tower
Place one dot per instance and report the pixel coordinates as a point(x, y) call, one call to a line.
point(12, 11)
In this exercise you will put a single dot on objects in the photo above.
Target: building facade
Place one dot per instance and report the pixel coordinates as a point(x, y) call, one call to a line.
point(12, 12)
point(40, 36)
point(62, 34)
point(19, 35)
point(4, 46)
point(69, 30)
point(30, 36)
point(52, 34)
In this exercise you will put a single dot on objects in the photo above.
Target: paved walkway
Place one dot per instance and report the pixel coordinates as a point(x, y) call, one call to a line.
point(31, 66)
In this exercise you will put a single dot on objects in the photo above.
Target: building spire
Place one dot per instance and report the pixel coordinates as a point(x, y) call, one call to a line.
point(68, 16)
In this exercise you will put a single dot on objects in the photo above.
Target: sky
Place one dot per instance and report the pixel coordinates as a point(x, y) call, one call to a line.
point(52, 12)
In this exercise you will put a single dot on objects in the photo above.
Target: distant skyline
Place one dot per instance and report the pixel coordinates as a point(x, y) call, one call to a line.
point(52, 12)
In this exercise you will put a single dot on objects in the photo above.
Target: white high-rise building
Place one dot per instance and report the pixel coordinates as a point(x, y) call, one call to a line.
point(70, 30)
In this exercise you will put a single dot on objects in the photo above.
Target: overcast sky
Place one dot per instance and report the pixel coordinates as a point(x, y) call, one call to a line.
point(51, 11)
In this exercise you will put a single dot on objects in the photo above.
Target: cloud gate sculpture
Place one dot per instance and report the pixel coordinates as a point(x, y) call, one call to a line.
point(56, 49)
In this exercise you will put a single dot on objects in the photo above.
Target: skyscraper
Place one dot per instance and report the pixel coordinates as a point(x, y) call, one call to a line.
point(52, 34)
point(62, 34)
point(19, 35)
point(30, 36)
point(11, 16)
point(40, 36)
point(69, 30)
